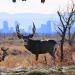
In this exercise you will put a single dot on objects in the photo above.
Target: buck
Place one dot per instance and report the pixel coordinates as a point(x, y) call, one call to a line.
point(37, 46)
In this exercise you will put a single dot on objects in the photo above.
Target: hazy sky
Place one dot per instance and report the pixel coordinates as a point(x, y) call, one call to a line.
point(32, 6)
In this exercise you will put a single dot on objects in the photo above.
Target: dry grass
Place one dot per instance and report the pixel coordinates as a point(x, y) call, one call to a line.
point(68, 59)
point(26, 59)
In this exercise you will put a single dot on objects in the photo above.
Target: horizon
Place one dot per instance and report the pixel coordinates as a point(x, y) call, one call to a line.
point(47, 26)
point(26, 20)
point(25, 13)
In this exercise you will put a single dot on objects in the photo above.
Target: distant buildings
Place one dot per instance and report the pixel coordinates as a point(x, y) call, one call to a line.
point(6, 29)
point(45, 28)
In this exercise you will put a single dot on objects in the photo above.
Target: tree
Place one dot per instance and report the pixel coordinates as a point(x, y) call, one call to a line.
point(66, 22)
point(72, 21)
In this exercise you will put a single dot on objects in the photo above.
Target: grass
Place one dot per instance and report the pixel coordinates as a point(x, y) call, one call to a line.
point(36, 73)
point(56, 71)
point(26, 60)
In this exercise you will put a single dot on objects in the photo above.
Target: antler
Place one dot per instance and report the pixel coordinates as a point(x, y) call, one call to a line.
point(34, 28)
point(18, 32)
point(25, 37)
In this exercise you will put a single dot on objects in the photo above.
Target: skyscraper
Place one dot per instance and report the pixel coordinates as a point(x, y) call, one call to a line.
point(5, 27)
point(45, 28)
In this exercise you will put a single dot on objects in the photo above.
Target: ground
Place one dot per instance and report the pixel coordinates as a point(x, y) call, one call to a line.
point(19, 56)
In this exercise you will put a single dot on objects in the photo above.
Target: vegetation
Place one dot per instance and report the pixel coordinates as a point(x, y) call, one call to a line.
point(67, 19)
point(14, 54)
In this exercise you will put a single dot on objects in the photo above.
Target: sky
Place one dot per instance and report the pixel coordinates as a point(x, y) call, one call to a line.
point(38, 12)
point(32, 6)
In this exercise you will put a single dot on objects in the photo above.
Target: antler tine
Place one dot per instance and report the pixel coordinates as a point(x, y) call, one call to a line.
point(34, 28)
point(17, 29)
point(18, 32)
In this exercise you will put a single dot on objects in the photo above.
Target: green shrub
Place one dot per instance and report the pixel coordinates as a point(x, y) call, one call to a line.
point(36, 73)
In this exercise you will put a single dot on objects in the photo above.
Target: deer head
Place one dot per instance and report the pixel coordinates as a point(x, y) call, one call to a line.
point(25, 38)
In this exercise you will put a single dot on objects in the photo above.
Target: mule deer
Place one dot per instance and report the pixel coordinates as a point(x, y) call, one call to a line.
point(37, 46)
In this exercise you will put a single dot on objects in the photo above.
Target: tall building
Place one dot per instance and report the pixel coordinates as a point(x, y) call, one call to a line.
point(45, 28)
point(6, 29)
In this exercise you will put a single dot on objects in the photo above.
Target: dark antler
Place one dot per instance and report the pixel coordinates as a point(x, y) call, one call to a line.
point(34, 28)
point(25, 37)
point(18, 32)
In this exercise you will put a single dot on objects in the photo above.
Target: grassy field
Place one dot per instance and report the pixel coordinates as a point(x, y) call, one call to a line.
point(19, 57)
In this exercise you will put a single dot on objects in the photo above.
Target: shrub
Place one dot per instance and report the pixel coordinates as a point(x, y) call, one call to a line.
point(36, 73)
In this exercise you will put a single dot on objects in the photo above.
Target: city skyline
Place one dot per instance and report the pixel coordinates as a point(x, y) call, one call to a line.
point(26, 19)
point(45, 28)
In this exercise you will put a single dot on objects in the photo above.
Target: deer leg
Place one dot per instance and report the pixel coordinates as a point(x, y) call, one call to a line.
point(45, 60)
point(53, 57)
point(36, 57)
point(53, 53)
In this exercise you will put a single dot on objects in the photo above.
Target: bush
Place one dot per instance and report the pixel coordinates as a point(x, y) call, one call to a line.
point(36, 73)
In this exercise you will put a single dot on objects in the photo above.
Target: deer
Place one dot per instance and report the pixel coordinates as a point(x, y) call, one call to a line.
point(37, 47)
